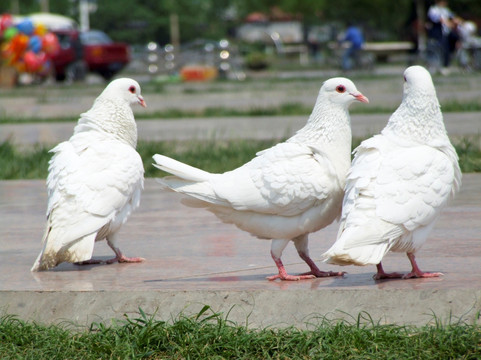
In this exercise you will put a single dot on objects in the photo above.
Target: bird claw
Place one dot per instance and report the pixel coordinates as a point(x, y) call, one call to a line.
point(125, 259)
point(290, 277)
point(122, 259)
point(319, 274)
point(416, 275)
point(381, 276)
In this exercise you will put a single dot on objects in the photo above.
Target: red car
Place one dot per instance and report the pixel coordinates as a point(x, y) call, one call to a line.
point(94, 51)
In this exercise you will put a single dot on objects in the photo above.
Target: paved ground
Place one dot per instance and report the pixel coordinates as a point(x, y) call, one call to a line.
point(193, 259)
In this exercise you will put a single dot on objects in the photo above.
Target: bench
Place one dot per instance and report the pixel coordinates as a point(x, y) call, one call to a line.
point(382, 50)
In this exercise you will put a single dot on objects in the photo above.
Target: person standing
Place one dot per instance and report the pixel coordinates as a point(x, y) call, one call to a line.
point(441, 30)
point(355, 39)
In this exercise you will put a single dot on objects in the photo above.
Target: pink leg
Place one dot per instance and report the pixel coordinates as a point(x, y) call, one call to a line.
point(416, 271)
point(384, 275)
point(119, 257)
point(315, 270)
point(283, 273)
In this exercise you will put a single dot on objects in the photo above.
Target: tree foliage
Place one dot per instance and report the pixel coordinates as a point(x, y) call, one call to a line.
point(141, 21)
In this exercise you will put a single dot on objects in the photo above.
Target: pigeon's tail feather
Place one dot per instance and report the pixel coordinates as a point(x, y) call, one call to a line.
point(367, 255)
point(196, 191)
point(54, 252)
point(362, 245)
point(180, 169)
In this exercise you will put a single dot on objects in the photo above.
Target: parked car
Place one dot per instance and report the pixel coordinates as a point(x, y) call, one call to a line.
point(88, 51)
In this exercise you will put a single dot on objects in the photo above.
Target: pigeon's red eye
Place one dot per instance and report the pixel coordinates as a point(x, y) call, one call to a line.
point(405, 78)
point(340, 89)
point(132, 89)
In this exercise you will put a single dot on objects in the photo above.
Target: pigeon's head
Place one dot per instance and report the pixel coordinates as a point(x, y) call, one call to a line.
point(126, 89)
point(340, 90)
point(419, 79)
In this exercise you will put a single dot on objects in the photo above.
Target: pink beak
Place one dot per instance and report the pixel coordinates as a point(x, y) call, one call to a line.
point(360, 97)
point(142, 101)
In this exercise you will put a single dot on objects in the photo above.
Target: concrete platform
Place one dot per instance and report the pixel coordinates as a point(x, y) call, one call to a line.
point(194, 260)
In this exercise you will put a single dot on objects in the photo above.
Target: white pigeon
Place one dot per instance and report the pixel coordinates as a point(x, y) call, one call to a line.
point(95, 180)
point(286, 191)
point(398, 183)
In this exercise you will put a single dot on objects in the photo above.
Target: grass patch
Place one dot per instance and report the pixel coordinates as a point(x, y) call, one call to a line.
point(288, 109)
point(209, 335)
point(23, 164)
point(469, 153)
point(214, 156)
point(457, 106)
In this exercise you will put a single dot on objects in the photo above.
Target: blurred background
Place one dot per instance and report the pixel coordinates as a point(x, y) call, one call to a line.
point(194, 40)
point(224, 79)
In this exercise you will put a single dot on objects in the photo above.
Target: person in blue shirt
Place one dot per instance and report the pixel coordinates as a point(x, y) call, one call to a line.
point(356, 40)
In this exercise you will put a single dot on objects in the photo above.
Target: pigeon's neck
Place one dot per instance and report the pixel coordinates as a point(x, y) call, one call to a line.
point(329, 126)
point(329, 130)
point(113, 117)
point(418, 119)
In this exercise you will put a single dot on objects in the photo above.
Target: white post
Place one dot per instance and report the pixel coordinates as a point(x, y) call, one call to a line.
point(84, 15)
point(44, 6)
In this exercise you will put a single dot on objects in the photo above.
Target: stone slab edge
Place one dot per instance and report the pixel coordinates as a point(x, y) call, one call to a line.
point(257, 309)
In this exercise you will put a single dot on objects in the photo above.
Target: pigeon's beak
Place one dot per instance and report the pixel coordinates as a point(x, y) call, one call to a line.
point(142, 101)
point(360, 97)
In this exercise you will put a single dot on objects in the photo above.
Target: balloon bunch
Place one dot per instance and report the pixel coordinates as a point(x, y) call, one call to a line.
point(26, 46)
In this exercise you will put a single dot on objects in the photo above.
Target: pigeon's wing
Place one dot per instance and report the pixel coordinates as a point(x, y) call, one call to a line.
point(284, 180)
point(391, 191)
point(90, 186)
point(402, 186)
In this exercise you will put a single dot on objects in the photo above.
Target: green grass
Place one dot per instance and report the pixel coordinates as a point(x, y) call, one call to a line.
point(210, 335)
point(288, 109)
point(26, 164)
point(469, 153)
point(213, 156)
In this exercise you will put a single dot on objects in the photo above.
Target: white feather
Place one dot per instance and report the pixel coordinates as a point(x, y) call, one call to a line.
point(288, 190)
point(399, 180)
point(95, 179)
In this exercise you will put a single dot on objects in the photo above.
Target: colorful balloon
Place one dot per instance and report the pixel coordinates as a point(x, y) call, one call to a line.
point(50, 44)
point(40, 30)
point(35, 44)
point(27, 47)
point(9, 33)
point(25, 27)
point(32, 61)
point(19, 43)
point(6, 20)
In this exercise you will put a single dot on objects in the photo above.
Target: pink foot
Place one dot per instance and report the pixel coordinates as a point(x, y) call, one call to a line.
point(121, 259)
point(416, 271)
point(384, 275)
point(318, 273)
point(414, 274)
point(125, 259)
point(283, 273)
point(290, 277)
point(315, 270)
point(381, 274)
